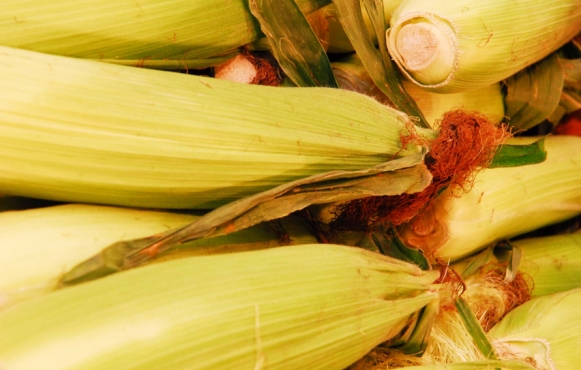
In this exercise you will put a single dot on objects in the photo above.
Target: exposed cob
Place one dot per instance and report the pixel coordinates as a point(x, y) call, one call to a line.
point(542, 332)
point(154, 33)
point(462, 45)
point(503, 202)
point(311, 306)
point(137, 137)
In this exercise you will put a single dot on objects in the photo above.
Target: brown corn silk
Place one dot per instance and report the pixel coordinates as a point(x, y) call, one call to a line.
point(466, 143)
point(491, 297)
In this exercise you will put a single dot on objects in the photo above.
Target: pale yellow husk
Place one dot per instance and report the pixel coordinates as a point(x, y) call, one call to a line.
point(81, 131)
point(310, 306)
point(552, 262)
point(462, 45)
point(152, 33)
point(503, 202)
point(37, 246)
point(489, 100)
point(542, 331)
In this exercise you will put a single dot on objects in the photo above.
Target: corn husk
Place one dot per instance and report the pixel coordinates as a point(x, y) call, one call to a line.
point(489, 100)
point(552, 262)
point(325, 22)
point(503, 202)
point(146, 138)
point(542, 332)
point(37, 246)
point(452, 47)
point(310, 306)
point(150, 33)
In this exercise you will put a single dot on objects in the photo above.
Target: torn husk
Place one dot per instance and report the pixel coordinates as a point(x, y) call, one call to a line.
point(406, 174)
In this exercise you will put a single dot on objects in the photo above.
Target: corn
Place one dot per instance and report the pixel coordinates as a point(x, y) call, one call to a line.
point(542, 331)
point(300, 307)
point(489, 100)
point(146, 138)
point(503, 202)
point(152, 33)
point(37, 246)
point(452, 47)
point(552, 262)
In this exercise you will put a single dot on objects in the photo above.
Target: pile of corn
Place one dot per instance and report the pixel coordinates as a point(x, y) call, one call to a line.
point(161, 207)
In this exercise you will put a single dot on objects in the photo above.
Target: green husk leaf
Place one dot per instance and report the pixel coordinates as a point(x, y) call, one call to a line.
point(377, 62)
point(293, 43)
point(404, 175)
point(534, 93)
point(516, 255)
point(389, 244)
point(519, 155)
point(475, 329)
point(480, 260)
point(418, 341)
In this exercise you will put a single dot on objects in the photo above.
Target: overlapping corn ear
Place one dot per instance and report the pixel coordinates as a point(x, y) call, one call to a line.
point(502, 203)
point(542, 332)
point(489, 100)
point(82, 131)
point(552, 262)
point(38, 245)
point(152, 33)
point(310, 306)
point(451, 47)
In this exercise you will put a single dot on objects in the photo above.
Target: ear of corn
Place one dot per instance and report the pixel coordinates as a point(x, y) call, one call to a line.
point(451, 47)
point(489, 100)
point(146, 138)
point(552, 262)
point(152, 33)
point(542, 331)
point(38, 245)
point(311, 306)
point(503, 202)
